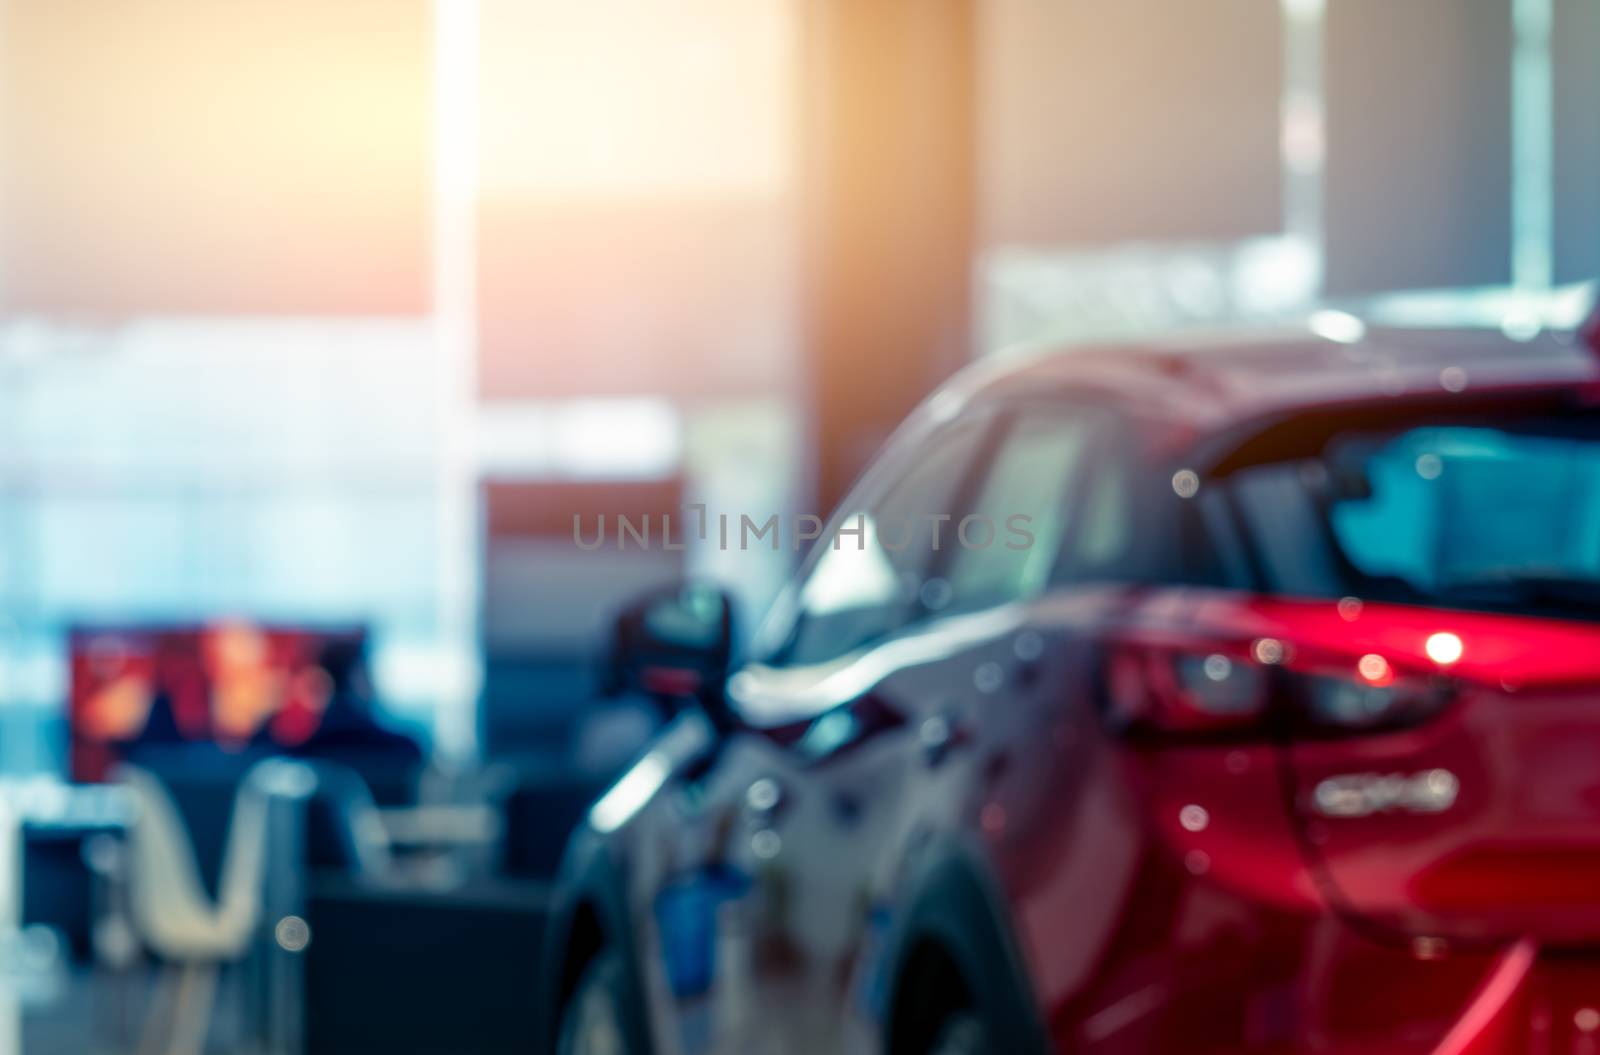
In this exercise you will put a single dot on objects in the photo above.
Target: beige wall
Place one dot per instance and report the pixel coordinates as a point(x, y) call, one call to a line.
point(194, 157)
point(1148, 120)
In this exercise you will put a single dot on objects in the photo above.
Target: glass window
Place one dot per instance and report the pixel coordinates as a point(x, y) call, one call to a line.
point(1008, 544)
point(872, 563)
point(1515, 506)
point(1503, 517)
point(1103, 548)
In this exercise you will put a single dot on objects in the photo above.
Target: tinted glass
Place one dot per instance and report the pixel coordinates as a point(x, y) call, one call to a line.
point(872, 568)
point(1471, 516)
point(1007, 545)
point(1103, 547)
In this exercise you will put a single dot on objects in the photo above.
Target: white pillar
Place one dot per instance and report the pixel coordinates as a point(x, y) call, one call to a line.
point(1302, 134)
point(1532, 148)
point(455, 317)
point(10, 920)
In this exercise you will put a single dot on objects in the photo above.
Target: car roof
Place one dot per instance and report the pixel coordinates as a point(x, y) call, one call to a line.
point(1207, 381)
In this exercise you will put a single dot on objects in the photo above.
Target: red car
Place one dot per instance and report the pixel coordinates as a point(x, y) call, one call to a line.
point(1268, 720)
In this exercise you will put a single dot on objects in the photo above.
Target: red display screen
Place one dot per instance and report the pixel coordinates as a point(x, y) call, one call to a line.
point(233, 684)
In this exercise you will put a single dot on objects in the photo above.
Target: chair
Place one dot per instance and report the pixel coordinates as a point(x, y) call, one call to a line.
point(174, 916)
point(345, 831)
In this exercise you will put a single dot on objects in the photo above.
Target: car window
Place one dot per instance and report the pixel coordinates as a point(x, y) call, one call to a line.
point(1444, 508)
point(1500, 515)
point(1011, 539)
point(1113, 541)
point(872, 564)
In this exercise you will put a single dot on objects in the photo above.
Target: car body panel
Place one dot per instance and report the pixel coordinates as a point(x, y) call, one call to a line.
point(961, 781)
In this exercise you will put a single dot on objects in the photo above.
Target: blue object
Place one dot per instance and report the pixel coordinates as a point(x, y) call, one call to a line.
point(686, 916)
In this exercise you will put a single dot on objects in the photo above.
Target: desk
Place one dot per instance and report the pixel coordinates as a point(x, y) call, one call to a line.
point(25, 960)
point(441, 827)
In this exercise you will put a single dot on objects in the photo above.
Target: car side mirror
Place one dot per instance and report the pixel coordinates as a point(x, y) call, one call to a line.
point(674, 645)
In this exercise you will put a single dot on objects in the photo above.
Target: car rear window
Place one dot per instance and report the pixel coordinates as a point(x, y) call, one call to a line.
point(1491, 515)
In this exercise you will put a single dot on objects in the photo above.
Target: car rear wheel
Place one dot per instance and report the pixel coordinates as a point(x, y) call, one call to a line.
point(595, 1021)
point(963, 1033)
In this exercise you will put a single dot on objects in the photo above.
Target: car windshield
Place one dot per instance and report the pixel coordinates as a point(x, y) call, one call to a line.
point(1500, 516)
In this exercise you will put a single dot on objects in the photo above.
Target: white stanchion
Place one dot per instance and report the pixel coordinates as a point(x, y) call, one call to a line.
point(10, 922)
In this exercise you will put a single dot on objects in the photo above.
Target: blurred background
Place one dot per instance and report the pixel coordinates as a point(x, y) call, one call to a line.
point(319, 322)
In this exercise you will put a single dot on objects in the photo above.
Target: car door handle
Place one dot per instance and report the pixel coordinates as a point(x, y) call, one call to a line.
point(940, 735)
point(1026, 673)
point(1029, 649)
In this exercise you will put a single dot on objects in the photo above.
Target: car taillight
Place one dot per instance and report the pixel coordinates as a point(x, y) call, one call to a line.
point(1180, 690)
point(1355, 704)
point(1234, 687)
